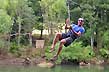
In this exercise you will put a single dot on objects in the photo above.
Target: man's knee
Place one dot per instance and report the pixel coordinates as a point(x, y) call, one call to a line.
point(63, 41)
point(58, 34)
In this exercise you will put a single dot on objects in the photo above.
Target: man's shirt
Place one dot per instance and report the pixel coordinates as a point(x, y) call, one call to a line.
point(76, 28)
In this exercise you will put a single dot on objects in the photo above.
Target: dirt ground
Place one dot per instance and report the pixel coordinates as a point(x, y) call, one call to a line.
point(9, 60)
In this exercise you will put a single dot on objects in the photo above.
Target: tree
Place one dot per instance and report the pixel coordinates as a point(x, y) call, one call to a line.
point(5, 22)
point(35, 4)
point(53, 13)
point(5, 28)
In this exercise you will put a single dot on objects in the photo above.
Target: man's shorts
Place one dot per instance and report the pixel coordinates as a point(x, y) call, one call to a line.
point(69, 39)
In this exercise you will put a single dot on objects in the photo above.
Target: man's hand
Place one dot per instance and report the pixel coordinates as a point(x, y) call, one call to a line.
point(67, 21)
point(67, 27)
point(67, 24)
point(76, 33)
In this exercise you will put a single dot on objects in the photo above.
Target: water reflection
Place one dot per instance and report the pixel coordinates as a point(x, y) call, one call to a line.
point(58, 68)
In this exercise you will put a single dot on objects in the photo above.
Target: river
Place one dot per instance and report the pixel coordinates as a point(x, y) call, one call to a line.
point(58, 68)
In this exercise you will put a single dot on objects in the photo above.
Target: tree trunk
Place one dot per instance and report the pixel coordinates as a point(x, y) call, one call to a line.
point(99, 40)
point(51, 29)
point(41, 34)
point(19, 21)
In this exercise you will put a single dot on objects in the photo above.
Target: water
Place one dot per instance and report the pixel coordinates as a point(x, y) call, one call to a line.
point(64, 68)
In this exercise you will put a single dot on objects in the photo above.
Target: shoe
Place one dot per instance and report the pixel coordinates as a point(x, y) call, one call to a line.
point(54, 58)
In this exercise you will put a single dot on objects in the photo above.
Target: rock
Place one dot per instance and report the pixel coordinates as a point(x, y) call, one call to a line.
point(100, 62)
point(84, 64)
point(27, 61)
point(50, 65)
point(46, 64)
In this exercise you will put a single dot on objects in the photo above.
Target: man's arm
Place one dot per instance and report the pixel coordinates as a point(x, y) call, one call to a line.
point(80, 32)
point(77, 33)
point(67, 26)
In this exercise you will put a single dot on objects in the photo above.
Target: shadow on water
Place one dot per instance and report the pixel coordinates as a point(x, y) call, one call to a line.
point(58, 68)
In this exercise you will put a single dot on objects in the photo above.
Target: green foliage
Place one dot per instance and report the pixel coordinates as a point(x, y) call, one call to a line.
point(14, 48)
point(59, 8)
point(3, 4)
point(105, 39)
point(5, 22)
point(5, 28)
point(26, 14)
point(11, 9)
point(75, 12)
point(4, 45)
point(74, 51)
point(53, 11)
point(104, 53)
point(39, 26)
point(31, 13)
point(77, 51)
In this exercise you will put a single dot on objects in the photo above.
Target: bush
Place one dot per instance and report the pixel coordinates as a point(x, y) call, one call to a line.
point(73, 52)
point(77, 51)
point(104, 53)
point(3, 47)
point(15, 49)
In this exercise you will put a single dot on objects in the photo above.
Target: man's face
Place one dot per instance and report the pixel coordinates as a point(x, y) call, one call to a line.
point(80, 22)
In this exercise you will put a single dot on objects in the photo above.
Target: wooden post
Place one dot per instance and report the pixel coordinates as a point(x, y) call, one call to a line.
point(40, 44)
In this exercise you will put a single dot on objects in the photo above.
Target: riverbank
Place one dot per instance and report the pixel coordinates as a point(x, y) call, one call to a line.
point(11, 60)
point(42, 62)
point(14, 61)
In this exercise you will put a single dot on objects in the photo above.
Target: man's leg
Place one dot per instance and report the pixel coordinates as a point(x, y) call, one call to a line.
point(66, 42)
point(62, 42)
point(56, 39)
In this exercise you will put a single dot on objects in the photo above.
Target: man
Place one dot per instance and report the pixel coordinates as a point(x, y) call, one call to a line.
point(66, 39)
